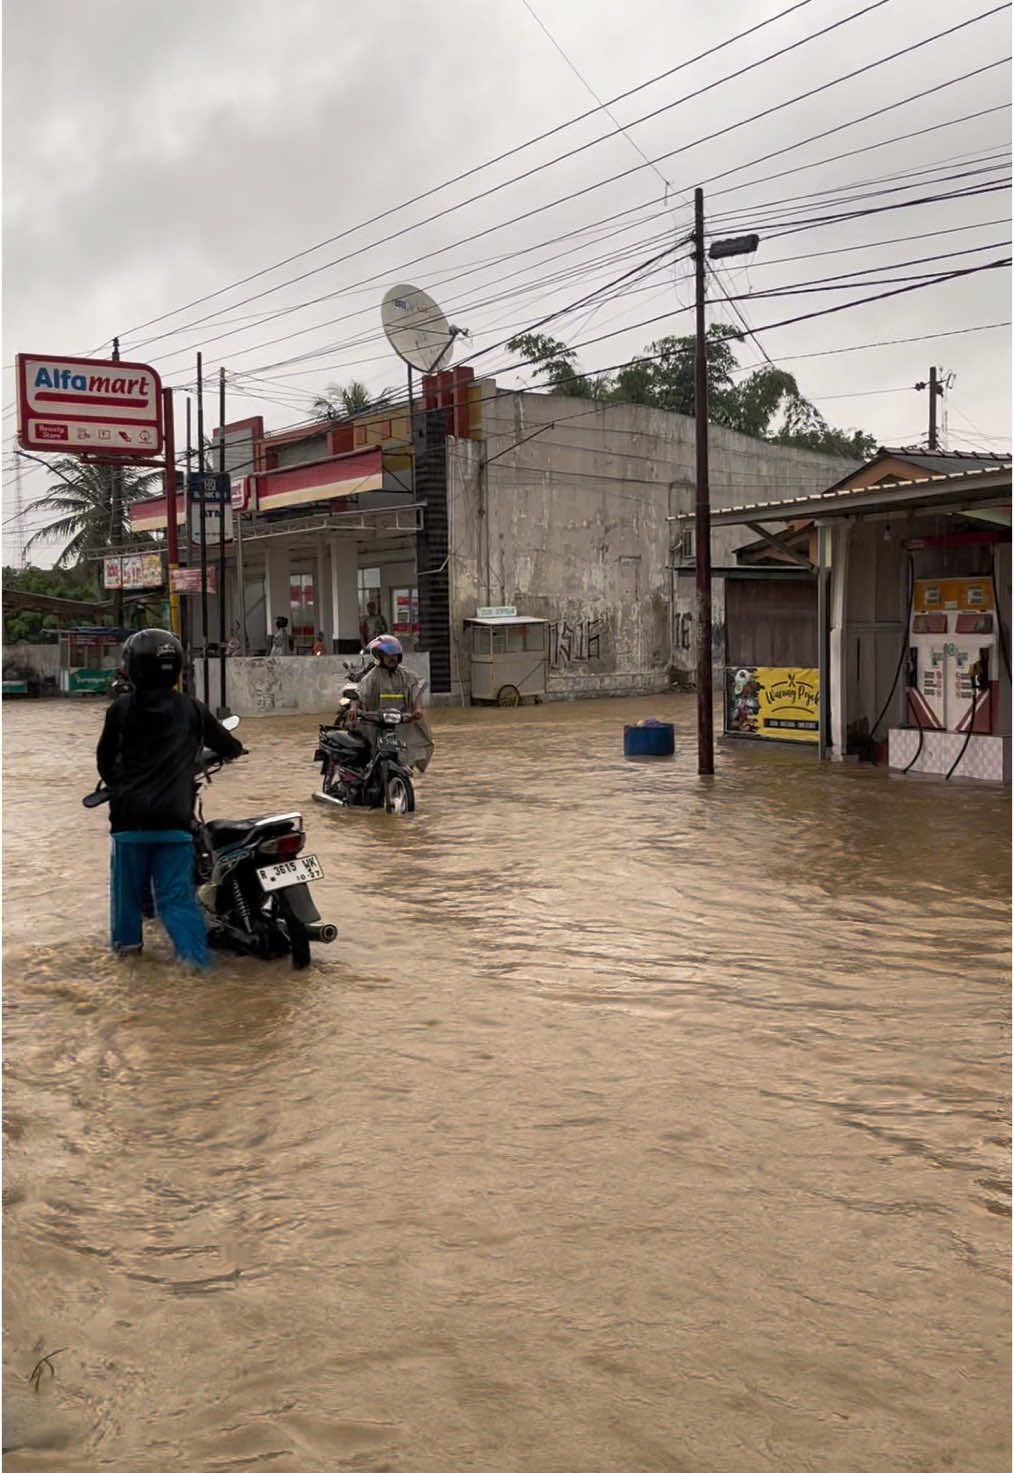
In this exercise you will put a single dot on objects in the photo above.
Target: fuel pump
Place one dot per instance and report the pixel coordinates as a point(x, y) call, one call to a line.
point(951, 673)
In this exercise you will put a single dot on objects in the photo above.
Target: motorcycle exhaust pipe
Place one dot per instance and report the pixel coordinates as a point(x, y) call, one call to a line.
point(319, 797)
point(322, 931)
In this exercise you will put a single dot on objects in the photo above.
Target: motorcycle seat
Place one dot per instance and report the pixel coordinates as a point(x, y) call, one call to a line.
point(225, 831)
point(346, 743)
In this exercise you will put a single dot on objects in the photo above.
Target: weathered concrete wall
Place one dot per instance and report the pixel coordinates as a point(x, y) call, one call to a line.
point(255, 687)
point(45, 658)
point(569, 521)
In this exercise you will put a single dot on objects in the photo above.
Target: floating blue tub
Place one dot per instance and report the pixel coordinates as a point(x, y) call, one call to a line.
point(649, 741)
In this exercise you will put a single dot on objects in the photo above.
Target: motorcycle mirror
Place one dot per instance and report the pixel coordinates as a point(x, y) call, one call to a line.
point(230, 723)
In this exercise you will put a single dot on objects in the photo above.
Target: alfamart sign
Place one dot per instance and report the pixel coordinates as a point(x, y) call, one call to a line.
point(89, 405)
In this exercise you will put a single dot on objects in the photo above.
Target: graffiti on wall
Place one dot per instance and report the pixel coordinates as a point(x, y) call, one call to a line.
point(574, 643)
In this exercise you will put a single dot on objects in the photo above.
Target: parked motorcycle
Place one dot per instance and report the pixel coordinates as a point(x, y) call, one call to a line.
point(252, 881)
point(355, 774)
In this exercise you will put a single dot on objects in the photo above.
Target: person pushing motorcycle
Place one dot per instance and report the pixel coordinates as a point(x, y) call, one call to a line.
point(389, 686)
point(150, 741)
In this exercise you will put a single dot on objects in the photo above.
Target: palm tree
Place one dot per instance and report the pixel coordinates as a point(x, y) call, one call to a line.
point(86, 514)
point(342, 401)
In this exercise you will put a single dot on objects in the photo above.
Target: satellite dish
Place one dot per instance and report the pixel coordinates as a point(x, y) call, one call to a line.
point(417, 329)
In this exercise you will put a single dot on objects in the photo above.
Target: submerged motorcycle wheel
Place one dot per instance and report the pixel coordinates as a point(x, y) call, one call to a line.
point(400, 795)
point(295, 931)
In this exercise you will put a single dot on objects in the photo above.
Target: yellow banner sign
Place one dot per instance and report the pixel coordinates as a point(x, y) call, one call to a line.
point(781, 703)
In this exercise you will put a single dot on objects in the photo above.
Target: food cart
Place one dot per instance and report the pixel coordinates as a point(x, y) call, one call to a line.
point(509, 656)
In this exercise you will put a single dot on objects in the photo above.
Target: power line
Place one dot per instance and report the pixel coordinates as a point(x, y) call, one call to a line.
point(478, 168)
point(721, 132)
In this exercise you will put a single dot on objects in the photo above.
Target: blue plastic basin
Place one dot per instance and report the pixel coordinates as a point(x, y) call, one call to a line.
point(649, 741)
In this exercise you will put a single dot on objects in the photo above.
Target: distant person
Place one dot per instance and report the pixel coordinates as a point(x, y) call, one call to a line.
point(318, 644)
point(280, 640)
point(146, 756)
point(373, 625)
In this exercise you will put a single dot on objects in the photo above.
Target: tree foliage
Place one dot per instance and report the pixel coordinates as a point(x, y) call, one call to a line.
point(340, 401)
point(83, 499)
point(74, 583)
point(766, 404)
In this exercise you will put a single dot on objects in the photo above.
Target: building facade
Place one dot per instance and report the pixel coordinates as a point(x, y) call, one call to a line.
point(561, 508)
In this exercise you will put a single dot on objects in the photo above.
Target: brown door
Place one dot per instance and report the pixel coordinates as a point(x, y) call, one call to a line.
point(771, 621)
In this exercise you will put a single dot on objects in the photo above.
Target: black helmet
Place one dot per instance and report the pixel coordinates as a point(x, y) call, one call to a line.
point(153, 659)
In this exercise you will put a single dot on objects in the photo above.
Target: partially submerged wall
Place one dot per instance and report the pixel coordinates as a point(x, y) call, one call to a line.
point(258, 686)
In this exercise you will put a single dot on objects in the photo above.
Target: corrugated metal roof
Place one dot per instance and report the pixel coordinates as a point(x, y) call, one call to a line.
point(841, 496)
point(943, 462)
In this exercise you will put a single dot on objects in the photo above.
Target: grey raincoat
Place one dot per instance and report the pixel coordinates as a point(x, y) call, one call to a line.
point(396, 690)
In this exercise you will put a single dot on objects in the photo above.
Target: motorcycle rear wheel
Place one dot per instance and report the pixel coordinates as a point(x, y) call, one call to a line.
point(295, 930)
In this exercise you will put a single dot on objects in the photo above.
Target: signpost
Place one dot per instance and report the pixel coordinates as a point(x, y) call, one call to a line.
point(93, 406)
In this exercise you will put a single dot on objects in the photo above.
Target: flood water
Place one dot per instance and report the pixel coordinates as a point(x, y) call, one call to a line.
point(636, 1122)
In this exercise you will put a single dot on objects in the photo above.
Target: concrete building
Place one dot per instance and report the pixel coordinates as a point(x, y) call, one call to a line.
point(558, 507)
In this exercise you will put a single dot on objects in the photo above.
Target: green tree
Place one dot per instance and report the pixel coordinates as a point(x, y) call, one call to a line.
point(86, 519)
point(767, 404)
point(556, 362)
point(74, 583)
point(341, 401)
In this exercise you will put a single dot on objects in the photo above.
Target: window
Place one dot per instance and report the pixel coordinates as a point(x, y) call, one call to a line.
point(302, 609)
point(405, 611)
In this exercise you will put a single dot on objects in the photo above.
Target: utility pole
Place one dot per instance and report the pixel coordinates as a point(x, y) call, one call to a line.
point(172, 530)
point(702, 520)
point(935, 389)
point(116, 516)
point(737, 246)
point(223, 708)
point(204, 533)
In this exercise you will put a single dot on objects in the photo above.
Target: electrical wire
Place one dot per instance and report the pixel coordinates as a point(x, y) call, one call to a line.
point(721, 132)
point(478, 168)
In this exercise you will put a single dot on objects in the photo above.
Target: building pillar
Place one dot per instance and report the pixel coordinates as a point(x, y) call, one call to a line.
point(344, 588)
point(320, 603)
point(276, 585)
point(837, 675)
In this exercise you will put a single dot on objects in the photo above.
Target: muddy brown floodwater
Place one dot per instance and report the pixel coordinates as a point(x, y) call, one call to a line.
point(636, 1122)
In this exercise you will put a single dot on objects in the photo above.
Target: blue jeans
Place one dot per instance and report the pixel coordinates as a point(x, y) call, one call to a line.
point(164, 859)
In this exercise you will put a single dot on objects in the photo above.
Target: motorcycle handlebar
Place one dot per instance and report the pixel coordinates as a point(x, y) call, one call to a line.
point(207, 763)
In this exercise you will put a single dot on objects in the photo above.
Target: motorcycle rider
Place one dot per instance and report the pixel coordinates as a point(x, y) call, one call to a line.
point(389, 686)
point(145, 756)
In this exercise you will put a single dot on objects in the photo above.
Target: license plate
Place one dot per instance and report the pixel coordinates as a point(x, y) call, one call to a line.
point(290, 872)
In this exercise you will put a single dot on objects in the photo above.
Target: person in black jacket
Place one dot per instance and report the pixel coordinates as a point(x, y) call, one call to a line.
point(145, 756)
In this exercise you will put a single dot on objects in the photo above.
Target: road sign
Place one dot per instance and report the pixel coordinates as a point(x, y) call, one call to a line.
point(217, 487)
point(89, 406)
point(212, 518)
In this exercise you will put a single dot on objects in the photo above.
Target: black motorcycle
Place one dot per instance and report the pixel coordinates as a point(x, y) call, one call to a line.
point(252, 880)
point(355, 774)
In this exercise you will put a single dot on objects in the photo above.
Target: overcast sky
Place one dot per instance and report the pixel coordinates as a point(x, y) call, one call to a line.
point(157, 155)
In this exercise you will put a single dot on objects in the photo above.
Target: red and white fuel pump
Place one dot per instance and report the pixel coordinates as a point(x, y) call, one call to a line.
point(953, 657)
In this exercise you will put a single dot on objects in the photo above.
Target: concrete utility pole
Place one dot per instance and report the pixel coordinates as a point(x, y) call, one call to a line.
point(737, 246)
point(935, 388)
point(116, 516)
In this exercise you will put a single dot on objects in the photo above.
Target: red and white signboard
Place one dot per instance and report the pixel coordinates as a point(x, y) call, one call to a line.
point(188, 580)
point(89, 406)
